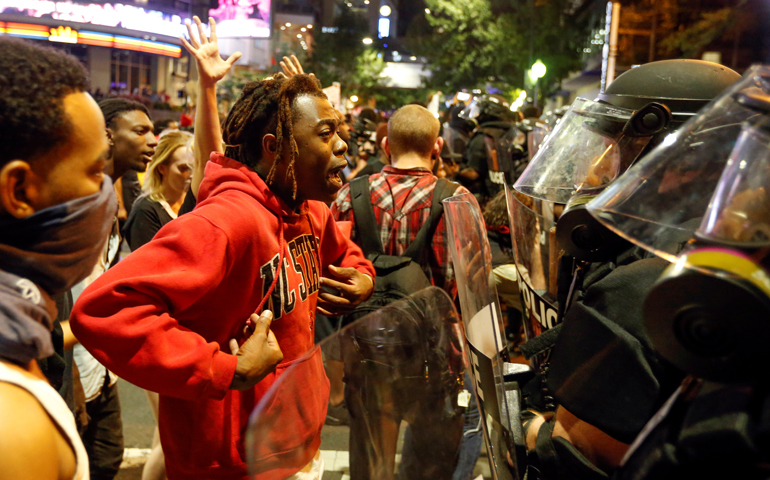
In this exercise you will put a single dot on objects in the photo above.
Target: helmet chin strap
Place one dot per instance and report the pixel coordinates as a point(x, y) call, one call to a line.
point(585, 238)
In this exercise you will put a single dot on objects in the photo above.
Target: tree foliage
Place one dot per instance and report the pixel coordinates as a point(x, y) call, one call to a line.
point(464, 43)
point(368, 73)
point(692, 40)
point(491, 43)
point(342, 57)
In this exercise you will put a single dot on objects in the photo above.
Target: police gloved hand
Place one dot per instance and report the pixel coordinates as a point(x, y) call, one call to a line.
point(353, 286)
point(563, 447)
point(258, 355)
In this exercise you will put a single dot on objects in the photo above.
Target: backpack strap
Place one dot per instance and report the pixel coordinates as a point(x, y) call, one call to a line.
point(367, 233)
point(443, 189)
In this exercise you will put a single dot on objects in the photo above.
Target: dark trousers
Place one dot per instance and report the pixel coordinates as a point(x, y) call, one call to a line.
point(431, 442)
point(473, 437)
point(103, 437)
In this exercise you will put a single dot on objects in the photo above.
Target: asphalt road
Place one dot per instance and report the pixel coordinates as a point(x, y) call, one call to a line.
point(139, 424)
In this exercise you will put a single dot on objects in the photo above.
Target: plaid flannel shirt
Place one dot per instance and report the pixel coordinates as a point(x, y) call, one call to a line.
point(401, 200)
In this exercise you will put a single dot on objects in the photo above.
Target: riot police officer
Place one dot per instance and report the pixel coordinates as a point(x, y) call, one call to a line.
point(587, 284)
point(485, 170)
point(708, 312)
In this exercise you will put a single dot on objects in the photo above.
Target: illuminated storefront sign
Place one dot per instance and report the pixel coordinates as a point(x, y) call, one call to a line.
point(24, 30)
point(242, 18)
point(63, 35)
point(84, 37)
point(107, 15)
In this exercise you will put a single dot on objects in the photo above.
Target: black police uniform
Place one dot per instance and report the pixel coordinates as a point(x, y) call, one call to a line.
point(492, 168)
point(709, 430)
point(603, 349)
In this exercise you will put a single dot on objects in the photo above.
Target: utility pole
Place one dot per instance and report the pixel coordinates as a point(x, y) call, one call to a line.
point(613, 50)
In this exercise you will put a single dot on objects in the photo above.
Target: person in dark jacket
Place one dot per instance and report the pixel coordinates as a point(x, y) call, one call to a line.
point(481, 171)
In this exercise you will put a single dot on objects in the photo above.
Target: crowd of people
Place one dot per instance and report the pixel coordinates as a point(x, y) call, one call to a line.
point(255, 239)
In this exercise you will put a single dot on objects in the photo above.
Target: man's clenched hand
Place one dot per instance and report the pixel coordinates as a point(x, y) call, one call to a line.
point(258, 355)
point(354, 288)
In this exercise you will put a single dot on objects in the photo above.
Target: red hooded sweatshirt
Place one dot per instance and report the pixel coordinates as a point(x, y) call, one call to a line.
point(163, 316)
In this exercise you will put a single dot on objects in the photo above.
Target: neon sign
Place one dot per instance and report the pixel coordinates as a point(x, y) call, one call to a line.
point(242, 18)
point(129, 43)
point(83, 37)
point(63, 35)
point(107, 15)
point(23, 30)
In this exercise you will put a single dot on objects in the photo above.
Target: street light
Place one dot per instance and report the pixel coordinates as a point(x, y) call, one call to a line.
point(367, 41)
point(538, 69)
point(536, 73)
point(354, 98)
point(385, 10)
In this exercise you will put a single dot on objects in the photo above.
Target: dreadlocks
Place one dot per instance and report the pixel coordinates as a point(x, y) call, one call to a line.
point(266, 107)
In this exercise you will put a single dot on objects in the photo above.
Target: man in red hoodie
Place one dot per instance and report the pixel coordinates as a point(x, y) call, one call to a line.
point(260, 240)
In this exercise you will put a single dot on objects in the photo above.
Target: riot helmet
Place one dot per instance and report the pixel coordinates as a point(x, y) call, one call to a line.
point(530, 111)
point(597, 141)
point(701, 200)
point(460, 124)
point(489, 108)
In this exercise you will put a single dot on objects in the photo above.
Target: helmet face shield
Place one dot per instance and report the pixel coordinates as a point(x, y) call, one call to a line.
point(739, 211)
point(471, 112)
point(536, 137)
point(586, 151)
point(709, 179)
point(494, 106)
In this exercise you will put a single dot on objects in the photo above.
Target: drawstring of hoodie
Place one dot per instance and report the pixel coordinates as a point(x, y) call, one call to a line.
point(277, 273)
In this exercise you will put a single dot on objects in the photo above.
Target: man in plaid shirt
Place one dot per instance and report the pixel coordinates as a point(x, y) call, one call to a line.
point(401, 198)
point(401, 194)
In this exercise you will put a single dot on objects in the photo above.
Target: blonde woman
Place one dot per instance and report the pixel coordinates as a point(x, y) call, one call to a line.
point(165, 185)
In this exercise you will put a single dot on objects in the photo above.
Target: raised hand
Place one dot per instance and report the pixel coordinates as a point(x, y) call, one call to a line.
point(211, 67)
point(291, 66)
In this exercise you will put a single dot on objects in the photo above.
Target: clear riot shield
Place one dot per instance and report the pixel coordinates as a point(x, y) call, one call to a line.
point(537, 253)
point(403, 378)
point(498, 403)
point(510, 156)
point(535, 138)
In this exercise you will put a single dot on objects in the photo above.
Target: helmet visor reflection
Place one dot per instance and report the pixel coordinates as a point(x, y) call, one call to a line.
point(586, 151)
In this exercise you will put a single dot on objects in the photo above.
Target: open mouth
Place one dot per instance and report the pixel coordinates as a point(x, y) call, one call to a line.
point(335, 175)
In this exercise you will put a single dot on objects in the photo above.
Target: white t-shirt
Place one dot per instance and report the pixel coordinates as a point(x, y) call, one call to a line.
point(56, 408)
point(92, 372)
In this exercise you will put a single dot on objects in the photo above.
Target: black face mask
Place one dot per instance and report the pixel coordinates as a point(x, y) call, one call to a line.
point(58, 247)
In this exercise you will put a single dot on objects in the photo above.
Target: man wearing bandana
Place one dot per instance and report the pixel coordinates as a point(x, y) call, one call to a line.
point(132, 144)
point(56, 211)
